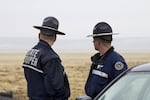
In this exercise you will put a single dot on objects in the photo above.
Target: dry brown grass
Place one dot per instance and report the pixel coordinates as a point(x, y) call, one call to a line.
point(76, 65)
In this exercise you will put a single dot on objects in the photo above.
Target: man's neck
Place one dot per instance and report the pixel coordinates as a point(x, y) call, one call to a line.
point(104, 50)
point(50, 42)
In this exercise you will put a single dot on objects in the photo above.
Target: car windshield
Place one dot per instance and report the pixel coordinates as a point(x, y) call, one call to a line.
point(133, 86)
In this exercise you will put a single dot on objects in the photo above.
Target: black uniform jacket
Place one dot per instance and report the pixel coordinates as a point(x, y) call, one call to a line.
point(45, 74)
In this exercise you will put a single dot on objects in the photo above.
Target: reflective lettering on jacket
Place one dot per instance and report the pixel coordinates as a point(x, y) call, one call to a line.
point(31, 57)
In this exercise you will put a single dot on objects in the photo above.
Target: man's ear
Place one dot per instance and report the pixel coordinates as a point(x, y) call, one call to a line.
point(99, 41)
point(39, 36)
point(55, 38)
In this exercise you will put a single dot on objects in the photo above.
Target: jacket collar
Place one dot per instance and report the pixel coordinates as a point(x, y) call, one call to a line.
point(44, 43)
point(97, 56)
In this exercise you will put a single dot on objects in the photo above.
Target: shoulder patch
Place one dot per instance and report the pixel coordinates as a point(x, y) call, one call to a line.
point(119, 65)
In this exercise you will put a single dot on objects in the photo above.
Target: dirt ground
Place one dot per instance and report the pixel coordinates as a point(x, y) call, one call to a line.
point(76, 64)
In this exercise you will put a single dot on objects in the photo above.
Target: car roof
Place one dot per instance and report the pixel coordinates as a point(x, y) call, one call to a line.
point(141, 68)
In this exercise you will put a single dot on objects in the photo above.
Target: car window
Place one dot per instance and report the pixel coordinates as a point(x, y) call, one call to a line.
point(130, 87)
point(146, 95)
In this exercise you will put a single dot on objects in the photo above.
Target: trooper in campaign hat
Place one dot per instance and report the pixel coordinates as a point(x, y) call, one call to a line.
point(106, 64)
point(44, 73)
point(103, 31)
point(50, 24)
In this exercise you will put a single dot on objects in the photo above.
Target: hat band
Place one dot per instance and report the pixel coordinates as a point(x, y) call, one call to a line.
point(102, 34)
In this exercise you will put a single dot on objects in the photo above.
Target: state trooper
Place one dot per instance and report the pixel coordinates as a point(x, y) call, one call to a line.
point(45, 75)
point(106, 64)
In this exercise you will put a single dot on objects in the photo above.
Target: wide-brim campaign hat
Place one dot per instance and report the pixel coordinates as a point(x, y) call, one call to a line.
point(102, 29)
point(50, 23)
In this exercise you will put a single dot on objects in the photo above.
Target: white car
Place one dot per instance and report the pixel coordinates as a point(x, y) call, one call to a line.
point(133, 84)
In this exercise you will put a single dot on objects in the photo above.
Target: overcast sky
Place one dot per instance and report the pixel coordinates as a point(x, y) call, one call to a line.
point(130, 18)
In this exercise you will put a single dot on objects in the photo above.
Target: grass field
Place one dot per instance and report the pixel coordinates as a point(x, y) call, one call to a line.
point(76, 64)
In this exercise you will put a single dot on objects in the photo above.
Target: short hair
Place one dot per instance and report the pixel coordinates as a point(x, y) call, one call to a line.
point(47, 33)
point(105, 38)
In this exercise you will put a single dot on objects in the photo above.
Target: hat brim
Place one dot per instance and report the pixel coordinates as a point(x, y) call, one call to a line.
point(49, 28)
point(101, 34)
